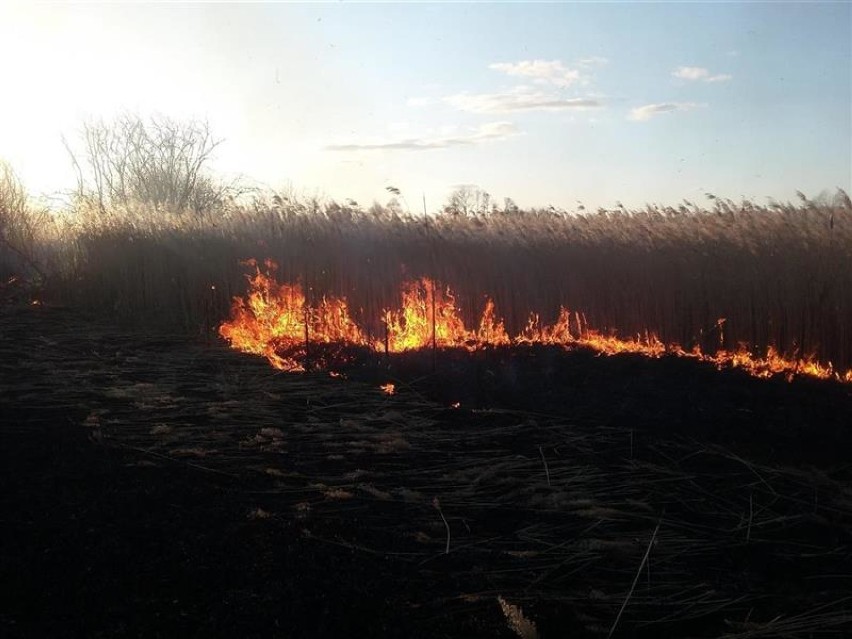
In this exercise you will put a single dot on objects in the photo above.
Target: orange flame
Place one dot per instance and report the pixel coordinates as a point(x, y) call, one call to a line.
point(428, 317)
point(388, 389)
point(276, 321)
point(276, 318)
point(491, 329)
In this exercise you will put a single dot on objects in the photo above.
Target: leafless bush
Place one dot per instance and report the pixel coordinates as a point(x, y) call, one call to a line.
point(20, 223)
point(159, 163)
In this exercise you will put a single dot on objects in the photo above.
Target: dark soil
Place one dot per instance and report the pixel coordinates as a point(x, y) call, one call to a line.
point(152, 486)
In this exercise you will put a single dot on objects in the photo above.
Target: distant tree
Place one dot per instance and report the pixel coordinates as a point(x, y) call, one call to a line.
point(467, 200)
point(509, 206)
point(157, 162)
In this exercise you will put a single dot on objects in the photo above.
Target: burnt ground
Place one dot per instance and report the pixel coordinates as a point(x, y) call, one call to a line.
point(152, 486)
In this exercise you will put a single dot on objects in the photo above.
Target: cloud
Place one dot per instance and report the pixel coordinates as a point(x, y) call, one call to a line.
point(542, 71)
point(519, 99)
point(699, 73)
point(722, 77)
point(419, 102)
point(646, 112)
point(593, 61)
point(485, 132)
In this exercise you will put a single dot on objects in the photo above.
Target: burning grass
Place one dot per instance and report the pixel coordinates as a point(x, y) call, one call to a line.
point(777, 273)
point(276, 321)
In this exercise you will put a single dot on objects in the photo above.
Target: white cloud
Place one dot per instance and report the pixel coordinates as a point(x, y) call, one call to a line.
point(483, 133)
point(542, 71)
point(518, 99)
point(593, 61)
point(419, 102)
point(699, 73)
point(646, 112)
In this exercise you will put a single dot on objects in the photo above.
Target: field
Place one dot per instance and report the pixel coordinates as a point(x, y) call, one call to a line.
point(156, 482)
point(154, 485)
point(776, 275)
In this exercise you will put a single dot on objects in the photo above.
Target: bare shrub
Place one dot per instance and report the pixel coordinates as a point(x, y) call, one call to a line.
point(159, 163)
point(20, 223)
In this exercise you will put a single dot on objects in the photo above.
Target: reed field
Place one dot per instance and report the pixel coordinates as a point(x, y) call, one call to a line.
point(779, 274)
point(509, 485)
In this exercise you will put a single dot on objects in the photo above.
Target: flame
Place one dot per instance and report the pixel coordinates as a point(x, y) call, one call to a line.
point(276, 318)
point(277, 321)
point(428, 317)
point(491, 329)
point(772, 364)
point(388, 389)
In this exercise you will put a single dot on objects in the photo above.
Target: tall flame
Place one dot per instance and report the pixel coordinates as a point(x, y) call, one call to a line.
point(276, 318)
point(277, 321)
point(428, 317)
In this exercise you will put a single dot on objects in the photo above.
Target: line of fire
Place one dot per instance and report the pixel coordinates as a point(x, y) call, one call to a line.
point(277, 321)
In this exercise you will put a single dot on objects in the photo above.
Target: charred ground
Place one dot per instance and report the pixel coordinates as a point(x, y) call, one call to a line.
point(151, 486)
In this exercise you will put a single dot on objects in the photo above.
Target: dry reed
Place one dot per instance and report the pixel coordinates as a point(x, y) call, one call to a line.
point(779, 274)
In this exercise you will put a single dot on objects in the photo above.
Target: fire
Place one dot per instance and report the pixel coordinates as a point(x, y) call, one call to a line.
point(388, 389)
point(428, 317)
point(277, 321)
point(491, 329)
point(773, 364)
point(276, 318)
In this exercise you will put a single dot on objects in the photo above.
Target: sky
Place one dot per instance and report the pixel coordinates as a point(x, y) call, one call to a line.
point(549, 104)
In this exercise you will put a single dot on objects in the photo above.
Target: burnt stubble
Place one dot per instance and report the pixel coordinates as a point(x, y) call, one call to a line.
point(153, 486)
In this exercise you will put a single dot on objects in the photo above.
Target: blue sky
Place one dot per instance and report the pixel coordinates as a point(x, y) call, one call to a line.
point(549, 104)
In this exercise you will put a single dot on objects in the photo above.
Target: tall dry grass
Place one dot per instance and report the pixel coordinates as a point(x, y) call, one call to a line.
point(780, 274)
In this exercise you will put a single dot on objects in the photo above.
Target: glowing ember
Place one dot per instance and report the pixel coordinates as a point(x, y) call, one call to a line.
point(388, 389)
point(277, 321)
